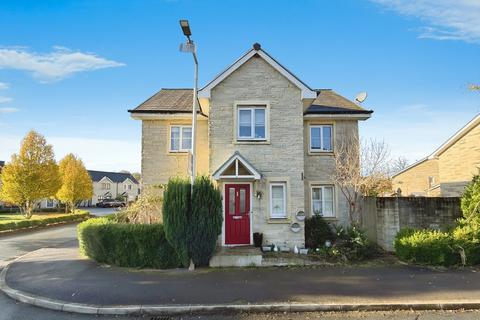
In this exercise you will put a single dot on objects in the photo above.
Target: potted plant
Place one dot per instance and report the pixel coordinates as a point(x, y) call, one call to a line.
point(257, 239)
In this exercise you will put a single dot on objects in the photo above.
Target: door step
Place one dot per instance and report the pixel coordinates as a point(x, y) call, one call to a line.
point(236, 257)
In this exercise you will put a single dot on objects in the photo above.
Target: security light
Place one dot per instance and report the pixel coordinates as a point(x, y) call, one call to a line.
point(185, 28)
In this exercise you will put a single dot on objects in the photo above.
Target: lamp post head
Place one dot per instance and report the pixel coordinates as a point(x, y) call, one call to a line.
point(186, 28)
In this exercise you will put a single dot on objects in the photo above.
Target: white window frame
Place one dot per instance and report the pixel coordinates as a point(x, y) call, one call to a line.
point(180, 146)
point(284, 214)
point(320, 126)
point(252, 109)
point(317, 186)
point(106, 186)
point(50, 203)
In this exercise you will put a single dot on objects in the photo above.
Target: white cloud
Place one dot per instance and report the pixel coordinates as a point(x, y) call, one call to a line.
point(5, 99)
point(97, 154)
point(445, 19)
point(56, 65)
point(8, 110)
point(4, 86)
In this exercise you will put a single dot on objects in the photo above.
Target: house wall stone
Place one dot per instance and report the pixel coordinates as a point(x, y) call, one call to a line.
point(279, 159)
point(453, 169)
point(320, 167)
point(158, 163)
point(415, 180)
point(459, 163)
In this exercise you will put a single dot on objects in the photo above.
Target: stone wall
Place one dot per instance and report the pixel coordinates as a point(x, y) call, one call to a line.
point(384, 217)
point(319, 167)
point(415, 180)
point(461, 161)
point(158, 163)
point(280, 158)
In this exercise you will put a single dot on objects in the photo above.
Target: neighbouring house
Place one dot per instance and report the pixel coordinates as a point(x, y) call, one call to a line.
point(112, 185)
point(267, 139)
point(446, 171)
point(106, 185)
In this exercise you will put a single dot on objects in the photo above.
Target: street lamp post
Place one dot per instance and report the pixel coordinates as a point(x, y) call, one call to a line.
point(189, 46)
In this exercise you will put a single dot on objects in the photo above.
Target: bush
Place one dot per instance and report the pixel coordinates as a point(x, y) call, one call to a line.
point(470, 202)
point(22, 224)
point(205, 223)
point(317, 231)
point(126, 245)
point(176, 211)
point(353, 245)
point(466, 240)
point(429, 247)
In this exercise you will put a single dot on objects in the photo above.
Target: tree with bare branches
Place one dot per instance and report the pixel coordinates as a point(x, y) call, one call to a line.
point(361, 169)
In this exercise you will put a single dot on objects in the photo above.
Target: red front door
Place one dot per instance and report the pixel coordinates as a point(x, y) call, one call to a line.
point(237, 214)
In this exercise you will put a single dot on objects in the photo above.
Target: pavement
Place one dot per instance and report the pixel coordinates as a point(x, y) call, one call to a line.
point(56, 271)
point(62, 275)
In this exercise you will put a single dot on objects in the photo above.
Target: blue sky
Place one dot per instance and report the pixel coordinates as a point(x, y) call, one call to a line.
point(71, 69)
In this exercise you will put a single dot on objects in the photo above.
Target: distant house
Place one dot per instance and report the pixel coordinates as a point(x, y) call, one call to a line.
point(446, 171)
point(111, 185)
point(106, 185)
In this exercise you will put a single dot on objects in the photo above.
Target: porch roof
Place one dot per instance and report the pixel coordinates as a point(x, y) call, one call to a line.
point(237, 163)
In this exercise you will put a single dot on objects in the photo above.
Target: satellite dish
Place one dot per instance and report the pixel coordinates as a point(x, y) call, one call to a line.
point(361, 97)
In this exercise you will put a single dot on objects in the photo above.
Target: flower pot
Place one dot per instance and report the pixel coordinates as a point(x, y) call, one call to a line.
point(303, 251)
point(257, 239)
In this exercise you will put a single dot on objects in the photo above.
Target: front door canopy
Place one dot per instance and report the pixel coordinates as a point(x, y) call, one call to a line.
point(237, 167)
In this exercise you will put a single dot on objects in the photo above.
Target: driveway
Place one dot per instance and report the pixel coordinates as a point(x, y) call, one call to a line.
point(100, 212)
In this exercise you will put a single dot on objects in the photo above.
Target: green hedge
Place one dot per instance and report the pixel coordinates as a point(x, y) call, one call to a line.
point(429, 247)
point(22, 224)
point(458, 246)
point(126, 245)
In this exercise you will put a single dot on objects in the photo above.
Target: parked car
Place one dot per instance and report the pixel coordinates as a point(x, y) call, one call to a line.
point(110, 203)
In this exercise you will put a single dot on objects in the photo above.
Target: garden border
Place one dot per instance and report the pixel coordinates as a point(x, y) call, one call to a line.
point(85, 215)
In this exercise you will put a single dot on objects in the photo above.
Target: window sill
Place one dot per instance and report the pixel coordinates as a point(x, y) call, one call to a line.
point(251, 142)
point(320, 153)
point(278, 221)
point(177, 153)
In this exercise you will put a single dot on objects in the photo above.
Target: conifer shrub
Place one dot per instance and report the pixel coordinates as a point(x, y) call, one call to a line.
point(176, 212)
point(205, 223)
point(317, 231)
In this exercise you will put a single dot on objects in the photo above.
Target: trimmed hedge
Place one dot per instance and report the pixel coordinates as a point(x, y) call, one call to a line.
point(22, 224)
point(126, 245)
point(430, 247)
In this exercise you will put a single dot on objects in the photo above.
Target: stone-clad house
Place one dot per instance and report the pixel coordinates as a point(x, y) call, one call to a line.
point(267, 139)
point(110, 185)
point(446, 171)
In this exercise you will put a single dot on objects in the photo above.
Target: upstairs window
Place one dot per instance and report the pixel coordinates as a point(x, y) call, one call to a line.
point(321, 138)
point(105, 186)
point(180, 138)
point(251, 123)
